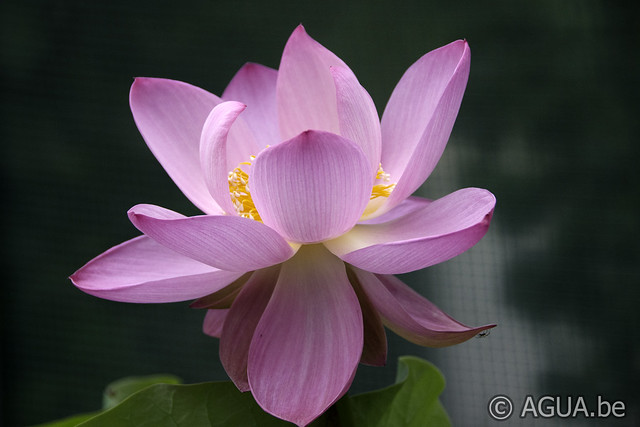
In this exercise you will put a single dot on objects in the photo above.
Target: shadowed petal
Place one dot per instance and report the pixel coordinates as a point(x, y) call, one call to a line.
point(312, 187)
point(170, 116)
point(224, 297)
point(228, 242)
point(255, 86)
point(374, 351)
point(419, 117)
point(305, 91)
point(141, 270)
point(241, 322)
point(357, 115)
point(214, 322)
point(412, 316)
point(221, 150)
point(441, 230)
point(309, 340)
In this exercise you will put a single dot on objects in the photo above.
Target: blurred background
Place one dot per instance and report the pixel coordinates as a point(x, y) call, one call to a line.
point(549, 123)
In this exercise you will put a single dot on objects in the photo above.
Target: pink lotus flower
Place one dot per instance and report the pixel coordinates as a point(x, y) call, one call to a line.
point(308, 212)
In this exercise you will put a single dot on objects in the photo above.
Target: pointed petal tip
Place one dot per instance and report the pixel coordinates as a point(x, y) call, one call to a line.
point(299, 32)
point(140, 83)
point(460, 44)
point(242, 386)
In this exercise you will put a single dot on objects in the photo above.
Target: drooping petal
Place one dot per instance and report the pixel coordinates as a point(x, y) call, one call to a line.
point(312, 187)
point(170, 115)
point(141, 270)
point(357, 115)
point(374, 351)
point(305, 90)
point(255, 86)
point(221, 150)
point(419, 117)
point(240, 325)
point(439, 231)
point(228, 242)
point(412, 316)
point(309, 340)
point(214, 322)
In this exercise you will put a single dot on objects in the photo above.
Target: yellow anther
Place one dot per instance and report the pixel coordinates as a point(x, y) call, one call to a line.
point(240, 194)
point(382, 190)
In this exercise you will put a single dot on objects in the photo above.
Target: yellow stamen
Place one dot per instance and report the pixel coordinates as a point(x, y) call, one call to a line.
point(240, 194)
point(382, 190)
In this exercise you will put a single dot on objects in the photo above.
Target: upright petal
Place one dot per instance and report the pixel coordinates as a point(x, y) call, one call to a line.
point(412, 316)
point(241, 322)
point(255, 86)
point(141, 270)
point(357, 115)
point(170, 116)
point(309, 340)
point(312, 187)
point(305, 90)
point(419, 117)
point(437, 232)
point(220, 153)
point(227, 242)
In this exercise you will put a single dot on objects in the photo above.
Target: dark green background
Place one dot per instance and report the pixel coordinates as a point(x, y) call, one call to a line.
point(549, 123)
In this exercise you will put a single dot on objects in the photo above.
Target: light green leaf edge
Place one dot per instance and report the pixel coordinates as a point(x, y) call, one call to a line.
point(206, 404)
point(113, 394)
point(71, 421)
point(119, 390)
point(411, 402)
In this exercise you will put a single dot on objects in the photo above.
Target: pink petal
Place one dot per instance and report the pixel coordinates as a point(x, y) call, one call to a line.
point(221, 151)
point(214, 322)
point(374, 351)
point(309, 340)
point(412, 316)
point(407, 207)
point(224, 297)
point(141, 270)
point(305, 91)
point(170, 116)
point(439, 231)
point(312, 187)
point(240, 325)
point(255, 86)
point(357, 115)
point(419, 117)
point(228, 242)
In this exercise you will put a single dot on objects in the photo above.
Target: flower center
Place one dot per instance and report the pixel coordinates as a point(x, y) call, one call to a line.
point(241, 195)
